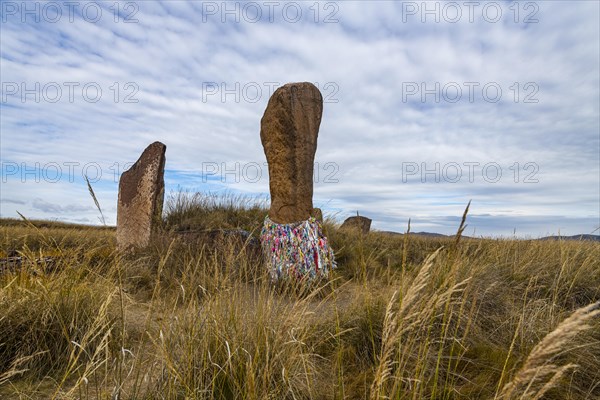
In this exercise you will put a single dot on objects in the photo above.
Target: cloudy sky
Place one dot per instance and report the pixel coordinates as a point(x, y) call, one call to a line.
point(426, 106)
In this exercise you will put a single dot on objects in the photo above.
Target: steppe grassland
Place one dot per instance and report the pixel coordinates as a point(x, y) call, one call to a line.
point(404, 317)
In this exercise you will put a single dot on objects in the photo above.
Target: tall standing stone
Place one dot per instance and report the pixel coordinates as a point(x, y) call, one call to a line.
point(289, 130)
point(141, 194)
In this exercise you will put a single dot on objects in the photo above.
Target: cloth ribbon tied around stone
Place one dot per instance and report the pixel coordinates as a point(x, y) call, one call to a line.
point(296, 251)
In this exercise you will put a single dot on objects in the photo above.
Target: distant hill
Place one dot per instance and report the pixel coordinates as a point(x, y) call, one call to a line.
point(595, 238)
point(427, 234)
point(430, 234)
point(584, 237)
point(40, 223)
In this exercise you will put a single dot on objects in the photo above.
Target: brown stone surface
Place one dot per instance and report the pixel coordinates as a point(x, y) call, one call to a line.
point(288, 132)
point(141, 195)
point(317, 214)
point(362, 224)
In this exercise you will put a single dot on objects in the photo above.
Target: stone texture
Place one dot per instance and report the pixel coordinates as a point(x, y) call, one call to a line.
point(288, 132)
point(317, 214)
point(141, 195)
point(362, 224)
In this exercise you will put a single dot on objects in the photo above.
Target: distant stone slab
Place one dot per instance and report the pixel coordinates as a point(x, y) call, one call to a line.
point(362, 224)
point(289, 130)
point(141, 195)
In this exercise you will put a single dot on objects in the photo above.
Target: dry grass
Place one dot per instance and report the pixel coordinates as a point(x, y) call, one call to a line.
point(404, 317)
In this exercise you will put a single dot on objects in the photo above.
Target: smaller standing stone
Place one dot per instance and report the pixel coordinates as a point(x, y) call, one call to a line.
point(141, 195)
point(362, 224)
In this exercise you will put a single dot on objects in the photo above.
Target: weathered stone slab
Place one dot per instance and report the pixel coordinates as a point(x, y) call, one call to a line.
point(289, 130)
point(141, 196)
point(359, 223)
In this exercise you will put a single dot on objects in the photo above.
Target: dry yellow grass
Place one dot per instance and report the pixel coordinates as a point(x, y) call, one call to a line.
point(402, 318)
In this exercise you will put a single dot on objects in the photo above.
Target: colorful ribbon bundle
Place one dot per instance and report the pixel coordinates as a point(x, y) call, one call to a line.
point(296, 251)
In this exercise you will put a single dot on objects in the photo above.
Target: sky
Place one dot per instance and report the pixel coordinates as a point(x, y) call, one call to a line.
point(427, 106)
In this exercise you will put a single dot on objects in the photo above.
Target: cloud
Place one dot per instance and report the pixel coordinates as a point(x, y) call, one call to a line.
point(157, 76)
point(12, 201)
point(53, 208)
